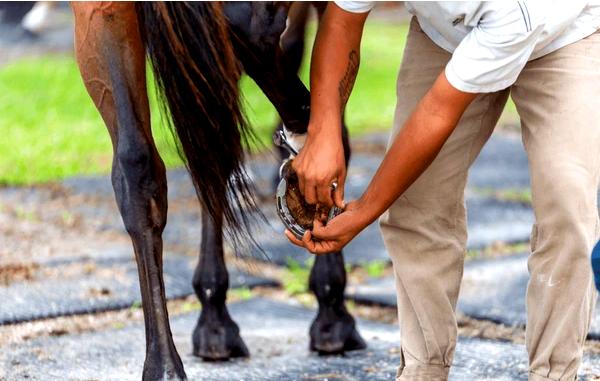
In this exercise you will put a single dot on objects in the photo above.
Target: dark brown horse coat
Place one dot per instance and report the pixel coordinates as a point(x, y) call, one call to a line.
point(198, 52)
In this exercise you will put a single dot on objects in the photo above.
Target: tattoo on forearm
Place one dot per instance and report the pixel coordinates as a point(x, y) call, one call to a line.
point(345, 87)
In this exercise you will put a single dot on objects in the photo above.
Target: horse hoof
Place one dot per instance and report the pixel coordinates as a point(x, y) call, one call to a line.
point(218, 340)
point(332, 334)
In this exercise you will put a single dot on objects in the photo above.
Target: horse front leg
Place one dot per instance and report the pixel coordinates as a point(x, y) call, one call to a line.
point(110, 55)
point(333, 330)
point(292, 52)
point(216, 336)
point(259, 50)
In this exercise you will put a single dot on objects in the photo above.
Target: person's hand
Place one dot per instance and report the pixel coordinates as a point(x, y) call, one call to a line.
point(331, 238)
point(318, 165)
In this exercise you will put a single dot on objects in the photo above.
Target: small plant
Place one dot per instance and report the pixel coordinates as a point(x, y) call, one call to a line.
point(67, 218)
point(498, 249)
point(26, 215)
point(347, 267)
point(295, 278)
point(351, 305)
point(520, 195)
point(375, 269)
point(517, 195)
point(190, 306)
point(473, 253)
point(241, 293)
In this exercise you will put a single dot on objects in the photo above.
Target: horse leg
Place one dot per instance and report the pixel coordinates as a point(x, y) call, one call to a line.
point(292, 49)
point(334, 329)
point(216, 336)
point(111, 59)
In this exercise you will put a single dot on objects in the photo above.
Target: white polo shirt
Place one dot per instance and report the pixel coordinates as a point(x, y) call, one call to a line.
point(492, 41)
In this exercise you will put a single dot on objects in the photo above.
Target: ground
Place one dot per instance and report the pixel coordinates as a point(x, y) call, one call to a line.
point(70, 293)
point(68, 282)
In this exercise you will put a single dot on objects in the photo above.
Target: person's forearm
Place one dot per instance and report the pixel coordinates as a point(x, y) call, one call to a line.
point(334, 67)
point(415, 147)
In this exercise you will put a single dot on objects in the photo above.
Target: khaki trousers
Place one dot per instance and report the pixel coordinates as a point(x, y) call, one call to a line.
point(558, 100)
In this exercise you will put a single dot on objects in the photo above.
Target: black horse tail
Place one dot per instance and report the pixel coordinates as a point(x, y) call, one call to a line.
point(197, 76)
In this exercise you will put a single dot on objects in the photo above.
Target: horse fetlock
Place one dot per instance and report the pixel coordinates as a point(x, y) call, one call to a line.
point(213, 293)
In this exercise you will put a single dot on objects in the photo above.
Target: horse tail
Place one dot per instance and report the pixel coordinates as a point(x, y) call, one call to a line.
point(197, 75)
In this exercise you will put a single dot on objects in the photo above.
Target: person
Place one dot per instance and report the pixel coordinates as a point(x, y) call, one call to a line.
point(41, 18)
point(460, 63)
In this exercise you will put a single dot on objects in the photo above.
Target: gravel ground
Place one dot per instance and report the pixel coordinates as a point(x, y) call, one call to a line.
point(276, 335)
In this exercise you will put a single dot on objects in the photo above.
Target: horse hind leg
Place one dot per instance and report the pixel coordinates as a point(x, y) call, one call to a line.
point(216, 336)
point(111, 59)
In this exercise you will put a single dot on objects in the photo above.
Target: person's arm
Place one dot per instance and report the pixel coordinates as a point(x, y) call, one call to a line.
point(334, 66)
point(416, 146)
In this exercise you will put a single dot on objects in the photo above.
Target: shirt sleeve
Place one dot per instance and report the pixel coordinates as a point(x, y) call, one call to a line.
point(356, 6)
point(494, 52)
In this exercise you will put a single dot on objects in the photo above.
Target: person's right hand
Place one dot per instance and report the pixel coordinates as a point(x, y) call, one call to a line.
point(340, 230)
point(319, 164)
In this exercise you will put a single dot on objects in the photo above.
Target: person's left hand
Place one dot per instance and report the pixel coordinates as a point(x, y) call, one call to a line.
point(331, 238)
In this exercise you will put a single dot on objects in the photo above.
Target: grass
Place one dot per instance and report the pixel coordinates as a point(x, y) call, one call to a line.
point(49, 128)
point(295, 277)
point(241, 293)
point(375, 269)
point(498, 249)
point(520, 195)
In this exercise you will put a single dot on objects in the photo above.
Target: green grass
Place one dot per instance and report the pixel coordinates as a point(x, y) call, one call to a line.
point(521, 195)
point(49, 128)
point(375, 269)
point(295, 277)
point(241, 293)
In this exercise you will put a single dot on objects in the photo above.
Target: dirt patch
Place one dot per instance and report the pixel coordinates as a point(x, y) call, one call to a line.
point(16, 333)
point(41, 222)
point(17, 272)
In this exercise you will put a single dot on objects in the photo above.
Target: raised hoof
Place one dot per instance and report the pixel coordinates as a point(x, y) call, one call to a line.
point(218, 341)
point(335, 335)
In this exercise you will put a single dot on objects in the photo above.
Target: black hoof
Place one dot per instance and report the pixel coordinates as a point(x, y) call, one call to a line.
point(218, 340)
point(335, 333)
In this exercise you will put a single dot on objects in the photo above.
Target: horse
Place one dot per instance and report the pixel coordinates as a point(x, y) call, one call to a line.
point(198, 52)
